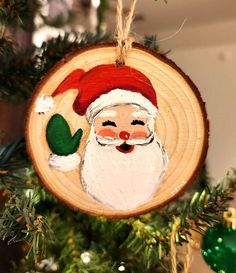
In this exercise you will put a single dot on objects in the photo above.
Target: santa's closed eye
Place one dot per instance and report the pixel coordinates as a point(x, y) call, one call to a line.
point(137, 122)
point(109, 123)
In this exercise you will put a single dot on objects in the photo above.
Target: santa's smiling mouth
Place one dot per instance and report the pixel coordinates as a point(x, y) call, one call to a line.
point(125, 148)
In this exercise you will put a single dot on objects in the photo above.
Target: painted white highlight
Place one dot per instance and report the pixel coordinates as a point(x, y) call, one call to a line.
point(107, 113)
point(44, 104)
point(64, 163)
point(123, 181)
point(117, 97)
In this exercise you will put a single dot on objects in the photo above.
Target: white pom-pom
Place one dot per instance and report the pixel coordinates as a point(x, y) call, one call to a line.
point(44, 104)
point(64, 163)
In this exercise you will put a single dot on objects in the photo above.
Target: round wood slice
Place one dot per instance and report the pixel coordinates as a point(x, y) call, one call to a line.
point(181, 125)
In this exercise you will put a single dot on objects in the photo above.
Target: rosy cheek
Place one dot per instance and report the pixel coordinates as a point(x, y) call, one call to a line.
point(139, 134)
point(107, 133)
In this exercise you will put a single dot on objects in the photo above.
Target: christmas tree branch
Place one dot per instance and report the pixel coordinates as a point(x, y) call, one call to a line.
point(20, 223)
point(18, 219)
point(146, 238)
point(17, 12)
point(35, 63)
point(151, 233)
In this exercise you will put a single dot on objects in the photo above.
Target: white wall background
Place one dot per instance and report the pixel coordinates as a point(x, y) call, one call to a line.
point(213, 69)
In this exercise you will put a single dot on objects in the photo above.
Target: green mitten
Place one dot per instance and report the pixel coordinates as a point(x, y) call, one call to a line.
point(59, 137)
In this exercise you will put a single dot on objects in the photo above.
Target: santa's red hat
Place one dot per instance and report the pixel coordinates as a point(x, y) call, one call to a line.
point(108, 85)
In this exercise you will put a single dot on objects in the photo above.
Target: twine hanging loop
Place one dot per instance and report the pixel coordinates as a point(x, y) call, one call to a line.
point(124, 40)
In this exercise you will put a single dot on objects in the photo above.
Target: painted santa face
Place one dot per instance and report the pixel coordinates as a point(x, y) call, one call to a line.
point(123, 126)
point(124, 161)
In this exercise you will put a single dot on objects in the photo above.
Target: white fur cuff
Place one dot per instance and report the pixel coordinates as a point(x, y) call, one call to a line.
point(64, 163)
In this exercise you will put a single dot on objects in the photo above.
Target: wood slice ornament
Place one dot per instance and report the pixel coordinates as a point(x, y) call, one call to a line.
point(116, 141)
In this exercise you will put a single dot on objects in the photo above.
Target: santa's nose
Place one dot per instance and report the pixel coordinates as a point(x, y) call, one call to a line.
point(124, 135)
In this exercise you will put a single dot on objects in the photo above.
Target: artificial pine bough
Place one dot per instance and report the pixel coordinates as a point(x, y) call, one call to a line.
point(74, 241)
point(30, 215)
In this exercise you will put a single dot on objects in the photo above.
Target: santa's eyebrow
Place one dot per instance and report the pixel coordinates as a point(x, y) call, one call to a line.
point(137, 122)
point(108, 113)
point(139, 113)
point(109, 123)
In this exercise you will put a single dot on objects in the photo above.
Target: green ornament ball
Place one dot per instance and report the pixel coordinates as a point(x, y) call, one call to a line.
point(219, 249)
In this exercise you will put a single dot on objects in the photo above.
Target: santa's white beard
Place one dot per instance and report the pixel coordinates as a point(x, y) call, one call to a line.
point(123, 181)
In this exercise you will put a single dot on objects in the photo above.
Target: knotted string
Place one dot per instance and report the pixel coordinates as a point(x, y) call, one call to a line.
point(124, 40)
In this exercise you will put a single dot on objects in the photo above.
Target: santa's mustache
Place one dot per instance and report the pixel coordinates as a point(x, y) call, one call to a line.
point(104, 141)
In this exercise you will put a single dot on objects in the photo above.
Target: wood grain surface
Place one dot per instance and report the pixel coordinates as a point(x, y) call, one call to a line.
point(181, 125)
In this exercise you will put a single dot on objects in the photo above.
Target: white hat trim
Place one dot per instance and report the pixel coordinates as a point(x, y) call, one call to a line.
point(117, 97)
